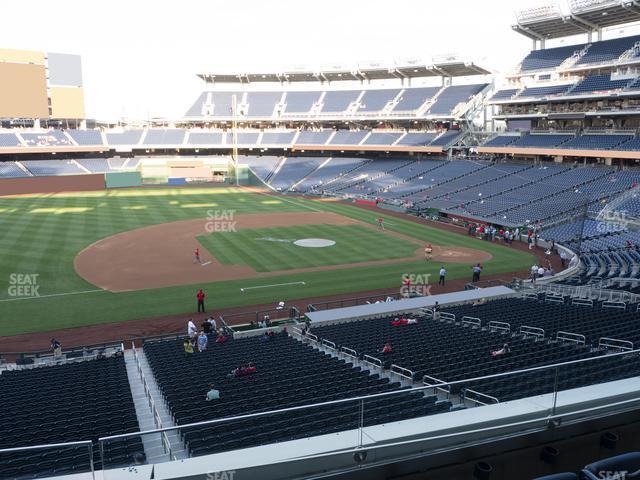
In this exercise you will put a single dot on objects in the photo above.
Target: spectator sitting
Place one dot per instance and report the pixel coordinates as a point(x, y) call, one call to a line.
point(397, 322)
point(478, 303)
point(243, 371)
point(212, 394)
point(202, 342)
point(139, 459)
point(503, 351)
point(221, 338)
point(188, 348)
point(387, 348)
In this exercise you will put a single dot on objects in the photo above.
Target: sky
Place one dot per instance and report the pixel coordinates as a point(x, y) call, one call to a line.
point(140, 57)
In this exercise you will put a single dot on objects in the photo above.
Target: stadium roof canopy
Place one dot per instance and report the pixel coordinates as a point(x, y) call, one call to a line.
point(584, 16)
point(446, 66)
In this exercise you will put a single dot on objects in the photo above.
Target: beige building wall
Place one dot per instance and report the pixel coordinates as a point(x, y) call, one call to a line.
point(23, 91)
point(67, 102)
point(21, 56)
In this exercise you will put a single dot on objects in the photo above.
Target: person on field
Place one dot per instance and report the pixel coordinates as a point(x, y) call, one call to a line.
point(443, 274)
point(428, 252)
point(380, 223)
point(477, 270)
point(196, 256)
point(200, 297)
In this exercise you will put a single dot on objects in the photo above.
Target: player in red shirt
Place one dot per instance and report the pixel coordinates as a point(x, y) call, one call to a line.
point(196, 256)
point(380, 223)
point(200, 296)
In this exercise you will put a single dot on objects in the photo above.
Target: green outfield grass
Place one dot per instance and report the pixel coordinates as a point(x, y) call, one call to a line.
point(41, 235)
point(273, 249)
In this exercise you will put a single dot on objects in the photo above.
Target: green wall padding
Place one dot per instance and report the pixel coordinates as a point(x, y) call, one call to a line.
point(123, 179)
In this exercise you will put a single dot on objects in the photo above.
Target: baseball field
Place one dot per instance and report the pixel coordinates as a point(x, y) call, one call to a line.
point(86, 258)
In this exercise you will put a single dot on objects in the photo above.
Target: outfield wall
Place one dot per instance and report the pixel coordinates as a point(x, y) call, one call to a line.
point(63, 183)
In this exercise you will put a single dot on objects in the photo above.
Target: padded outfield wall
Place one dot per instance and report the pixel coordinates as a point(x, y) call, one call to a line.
point(63, 183)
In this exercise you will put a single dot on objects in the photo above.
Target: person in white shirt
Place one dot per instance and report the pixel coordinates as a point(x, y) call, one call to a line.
point(191, 328)
point(540, 272)
point(443, 274)
point(212, 322)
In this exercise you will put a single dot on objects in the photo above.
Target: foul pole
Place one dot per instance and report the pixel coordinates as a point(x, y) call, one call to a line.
point(234, 134)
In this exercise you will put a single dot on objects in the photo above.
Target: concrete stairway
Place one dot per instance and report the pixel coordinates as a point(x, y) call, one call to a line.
point(152, 412)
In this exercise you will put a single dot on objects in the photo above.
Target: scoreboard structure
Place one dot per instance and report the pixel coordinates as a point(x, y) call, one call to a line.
point(40, 85)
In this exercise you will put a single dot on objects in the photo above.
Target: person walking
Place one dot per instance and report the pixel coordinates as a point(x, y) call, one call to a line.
point(477, 269)
point(200, 296)
point(443, 274)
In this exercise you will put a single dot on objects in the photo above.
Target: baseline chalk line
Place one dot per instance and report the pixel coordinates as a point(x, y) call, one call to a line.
point(51, 295)
point(273, 285)
point(205, 264)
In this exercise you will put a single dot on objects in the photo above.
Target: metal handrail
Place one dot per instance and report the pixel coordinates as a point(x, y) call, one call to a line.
point(527, 330)
point(466, 320)
point(86, 443)
point(484, 429)
point(372, 360)
point(479, 395)
point(571, 337)
point(502, 326)
point(606, 342)
point(400, 371)
point(369, 397)
point(329, 343)
point(349, 351)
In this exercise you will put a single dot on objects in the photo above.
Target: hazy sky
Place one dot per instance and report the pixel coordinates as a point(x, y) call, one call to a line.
point(140, 57)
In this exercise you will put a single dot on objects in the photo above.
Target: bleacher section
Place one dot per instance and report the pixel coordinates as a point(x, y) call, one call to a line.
point(293, 170)
point(451, 97)
point(11, 170)
point(447, 351)
point(127, 137)
point(548, 58)
point(288, 374)
point(165, 137)
point(86, 137)
point(376, 100)
point(373, 102)
point(337, 101)
point(64, 403)
point(46, 139)
point(52, 167)
point(301, 102)
point(9, 140)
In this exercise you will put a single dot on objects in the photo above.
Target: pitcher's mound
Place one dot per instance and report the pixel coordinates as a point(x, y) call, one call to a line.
point(314, 243)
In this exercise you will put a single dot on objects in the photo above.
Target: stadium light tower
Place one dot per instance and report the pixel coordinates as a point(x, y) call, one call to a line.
point(234, 134)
